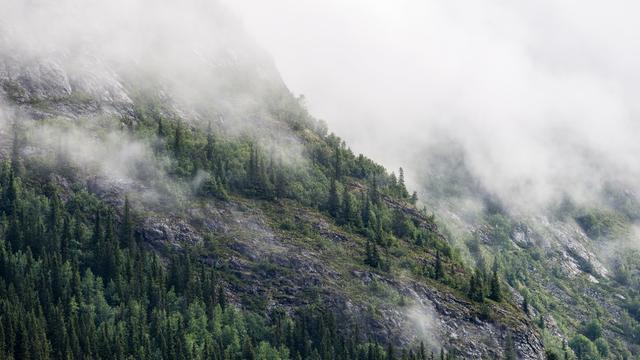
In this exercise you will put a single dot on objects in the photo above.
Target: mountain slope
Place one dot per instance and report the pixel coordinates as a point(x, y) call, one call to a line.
point(153, 213)
point(573, 261)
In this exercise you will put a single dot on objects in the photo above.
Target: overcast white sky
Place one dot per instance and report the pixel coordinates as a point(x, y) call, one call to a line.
point(529, 88)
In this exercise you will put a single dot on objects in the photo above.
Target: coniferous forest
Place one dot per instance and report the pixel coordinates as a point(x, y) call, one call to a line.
point(165, 195)
point(77, 281)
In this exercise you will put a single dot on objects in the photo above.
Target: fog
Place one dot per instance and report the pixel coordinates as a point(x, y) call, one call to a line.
point(192, 56)
point(193, 50)
point(422, 325)
point(532, 101)
point(541, 96)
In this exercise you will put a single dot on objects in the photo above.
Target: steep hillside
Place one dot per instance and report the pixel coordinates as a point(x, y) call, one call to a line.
point(574, 262)
point(148, 215)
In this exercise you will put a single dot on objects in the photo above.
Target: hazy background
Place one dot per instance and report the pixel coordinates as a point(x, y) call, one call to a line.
point(543, 96)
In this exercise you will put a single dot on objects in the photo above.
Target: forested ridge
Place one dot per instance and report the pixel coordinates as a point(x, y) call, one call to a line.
point(78, 281)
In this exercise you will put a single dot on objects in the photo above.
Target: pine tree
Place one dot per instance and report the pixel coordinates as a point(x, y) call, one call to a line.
point(16, 145)
point(368, 253)
point(375, 193)
point(393, 183)
point(222, 298)
point(161, 131)
point(178, 141)
point(96, 238)
point(372, 255)
point(476, 292)
point(53, 221)
point(364, 210)
point(414, 198)
point(210, 149)
point(438, 271)
point(108, 251)
point(400, 226)
point(126, 232)
point(265, 186)
point(257, 182)
point(280, 182)
point(14, 235)
point(401, 185)
point(66, 238)
point(346, 214)
point(338, 163)
point(362, 172)
point(10, 198)
point(333, 202)
point(375, 256)
point(495, 292)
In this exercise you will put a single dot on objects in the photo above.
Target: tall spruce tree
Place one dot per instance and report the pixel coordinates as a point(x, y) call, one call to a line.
point(333, 201)
point(438, 271)
point(495, 293)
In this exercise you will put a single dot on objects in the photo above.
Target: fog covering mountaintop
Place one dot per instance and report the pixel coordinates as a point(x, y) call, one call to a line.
point(164, 195)
point(540, 98)
point(194, 50)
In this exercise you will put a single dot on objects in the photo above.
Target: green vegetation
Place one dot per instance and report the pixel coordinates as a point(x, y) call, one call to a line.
point(581, 314)
point(357, 193)
point(78, 281)
point(603, 224)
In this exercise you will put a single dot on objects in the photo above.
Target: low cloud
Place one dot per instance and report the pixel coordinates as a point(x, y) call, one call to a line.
point(541, 97)
point(421, 326)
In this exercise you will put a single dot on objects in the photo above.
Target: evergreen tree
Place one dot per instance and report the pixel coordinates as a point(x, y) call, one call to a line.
point(403, 193)
point(401, 226)
point(338, 163)
point(414, 198)
point(66, 238)
point(126, 232)
point(280, 182)
point(476, 291)
point(347, 207)
point(495, 293)
point(372, 255)
point(210, 149)
point(333, 202)
point(16, 145)
point(222, 298)
point(375, 193)
point(178, 141)
point(9, 201)
point(365, 209)
point(161, 130)
point(438, 271)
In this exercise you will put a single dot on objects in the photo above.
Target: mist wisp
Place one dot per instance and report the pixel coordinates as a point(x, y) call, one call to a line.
point(541, 98)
